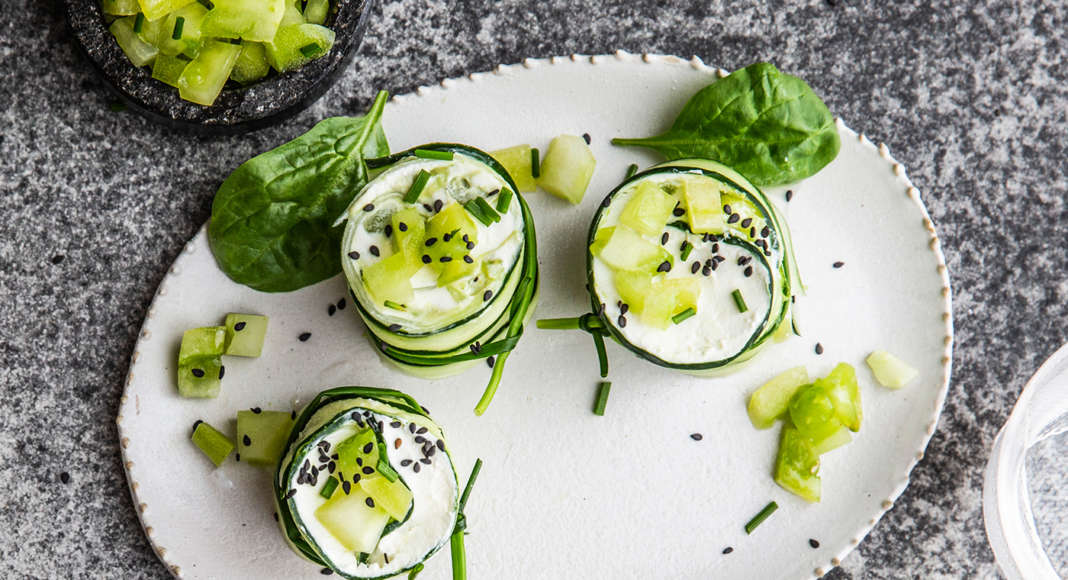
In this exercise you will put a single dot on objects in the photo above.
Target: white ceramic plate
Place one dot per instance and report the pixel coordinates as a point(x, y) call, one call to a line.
point(564, 493)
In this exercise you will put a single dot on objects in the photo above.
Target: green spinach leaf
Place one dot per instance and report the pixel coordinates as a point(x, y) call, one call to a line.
point(272, 221)
point(767, 125)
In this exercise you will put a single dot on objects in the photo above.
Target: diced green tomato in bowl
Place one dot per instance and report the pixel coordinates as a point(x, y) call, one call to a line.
point(769, 402)
point(294, 46)
point(138, 51)
point(184, 38)
point(518, 163)
point(256, 20)
point(316, 11)
point(204, 77)
point(156, 9)
point(168, 69)
point(890, 371)
point(251, 64)
point(120, 7)
point(567, 168)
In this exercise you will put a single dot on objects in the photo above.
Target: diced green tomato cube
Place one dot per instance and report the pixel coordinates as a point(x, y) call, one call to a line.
point(203, 341)
point(704, 211)
point(516, 161)
point(389, 279)
point(167, 69)
point(212, 442)
point(600, 239)
point(204, 77)
point(156, 9)
point(633, 287)
point(456, 270)
point(453, 221)
point(292, 14)
point(120, 7)
point(567, 168)
point(841, 386)
point(152, 31)
point(245, 334)
point(289, 49)
point(189, 43)
point(797, 465)
point(667, 298)
point(813, 412)
point(658, 310)
point(363, 446)
point(251, 64)
point(890, 371)
point(832, 441)
point(198, 377)
point(648, 210)
point(392, 496)
point(409, 232)
point(769, 402)
point(315, 11)
point(255, 20)
point(685, 290)
point(262, 436)
point(352, 522)
point(138, 51)
point(626, 250)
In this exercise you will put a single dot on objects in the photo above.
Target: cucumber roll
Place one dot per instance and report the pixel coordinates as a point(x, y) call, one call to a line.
point(366, 487)
point(440, 257)
point(689, 266)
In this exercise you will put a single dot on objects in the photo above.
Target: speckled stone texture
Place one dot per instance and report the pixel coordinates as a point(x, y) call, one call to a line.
point(971, 97)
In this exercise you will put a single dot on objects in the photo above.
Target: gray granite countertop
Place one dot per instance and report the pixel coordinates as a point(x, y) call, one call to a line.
point(95, 205)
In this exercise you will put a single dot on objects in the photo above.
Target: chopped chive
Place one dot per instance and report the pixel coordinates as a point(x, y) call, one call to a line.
point(394, 305)
point(417, 186)
point(504, 200)
point(631, 170)
point(678, 318)
point(310, 50)
point(684, 250)
point(431, 154)
point(602, 356)
point(760, 517)
point(739, 301)
point(488, 209)
point(535, 162)
point(470, 483)
point(139, 23)
point(328, 488)
point(456, 541)
point(602, 398)
point(179, 23)
point(475, 210)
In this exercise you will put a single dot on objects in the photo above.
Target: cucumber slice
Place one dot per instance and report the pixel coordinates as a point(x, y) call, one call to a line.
point(567, 168)
point(316, 11)
point(204, 77)
point(298, 44)
point(262, 435)
point(626, 250)
point(843, 391)
point(167, 69)
point(120, 7)
point(704, 212)
point(200, 342)
point(890, 371)
point(216, 446)
point(189, 40)
point(517, 162)
point(351, 520)
point(245, 334)
point(797, 465)
point(199, 377)
point(769, 402)
point(156, 9)
point(251, 64)
point(389, 279)
point(255, 20)
point(832, 441)
point(648, 210)
point(813, 412)
point(138, 51)
point(392, 496)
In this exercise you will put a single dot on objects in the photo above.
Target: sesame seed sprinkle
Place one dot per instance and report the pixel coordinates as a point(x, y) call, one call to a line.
point(586, 138)
point(789, 194)
point(487, 295)
point(819, 348)
point(430, 242)
point(623, 307)
point(837, 265)
point(748, 271)
point(695, 267)
point(663, 238)
point(678, 212)
point(367, 470)
point(198, 373)
point(734, 218)
point(64, 477)
point(394, 327)
point(621, 321)
point(405, 462)
point(696, 436)
point(388, 230)
point(369, 207)
point(330, 310)
point(814, 543)
point(426, 259)
point(728, 550)
point(374, 251)
point(304, 336)
point(438, 204)
point(415, 467)
point(445, 259)
point(370, 502)
point(346, 487)
point(746, 222)
point(402, 227)
point(664, 266)
point(491, 361)
point(239, 326)
point(246, 440)
point(727, 209)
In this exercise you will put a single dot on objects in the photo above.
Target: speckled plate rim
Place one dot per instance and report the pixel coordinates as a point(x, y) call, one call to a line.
point(908, 188)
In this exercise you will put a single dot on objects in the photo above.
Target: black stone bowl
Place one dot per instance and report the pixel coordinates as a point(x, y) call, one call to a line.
point(238, 108)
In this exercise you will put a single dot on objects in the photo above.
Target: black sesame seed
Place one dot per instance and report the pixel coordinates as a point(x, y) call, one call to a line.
point(198, 373)
point(494, 192)
point(239, 327)
point(695, 267)
point(374, 251)
point(258, 410)
point(196, 424)
point(411, 427)
point(430, 242)
point(664, 266)
point(330, 310)
point(714, 265)
point(696, 436)
point(406, 462)
point(607, 201)
point(402, 226)
point(446, 238)
point(743, 260)
point(586, 138)
point(765, 232)
point(341, 304)
point(621, 321)
point(746, 222)
point(304, 336)
point(470, 246)
point(356, 477)
point(728, 550)
point(237, 457)
point(438, 204)
point(427, 207)
point(370, 502)
point(426, 259)
point(748, 271)
point(415, 467)
point(487, 295)
point(715, 248)
point(290, 493)
point(326, 571)
point(440, 444)
point(246, 440)
point(663, 238)
point(422, 430)
point(445, 259)
point(819, 348)
point(466, 238)
point(706, 271)
point(734, 218)
point(367, 448)
point(222, 371)
point(388, 231)
point(752, 232)
point(420, 439)
point(57, 258)
point(369, 207)
point(813, 543)
point(468, 259)
point(424, 461)
point(678, 212)
point(346, 487)
point(727, 209)
point(367, 470)
point(275, 514)
point(394, 327)
point(789, 194)
point(394, 424)
point(837, 265)
point(64, 477)
point(293, 415)
point(624, 308)
point(490, 362)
